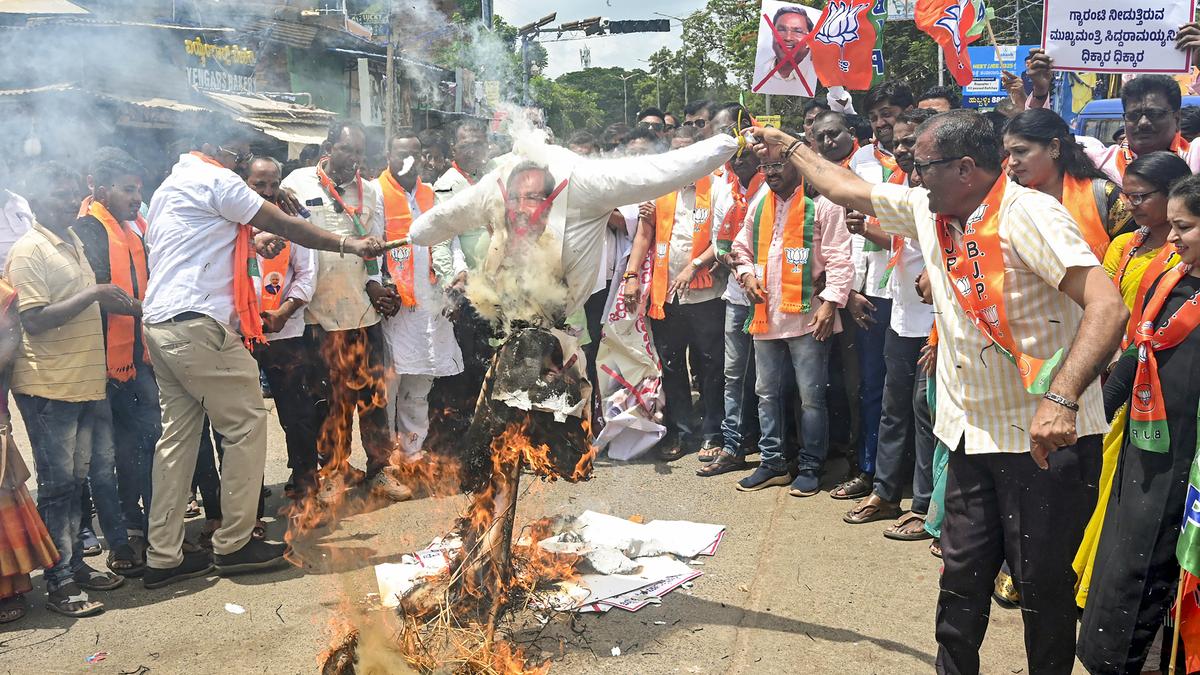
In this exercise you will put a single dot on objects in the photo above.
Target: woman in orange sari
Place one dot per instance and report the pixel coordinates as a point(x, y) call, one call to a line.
point(25, 545)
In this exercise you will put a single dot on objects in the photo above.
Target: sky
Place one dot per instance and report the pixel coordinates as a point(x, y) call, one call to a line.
point(626, 51)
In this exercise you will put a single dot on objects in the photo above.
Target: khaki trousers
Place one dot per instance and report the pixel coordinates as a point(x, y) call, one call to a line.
point(203, 368)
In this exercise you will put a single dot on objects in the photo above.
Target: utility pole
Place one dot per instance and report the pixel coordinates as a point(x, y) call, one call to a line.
point(486, 14)
point(527, 34)
point(625, 91)
point(390, 74)
point(682, 49)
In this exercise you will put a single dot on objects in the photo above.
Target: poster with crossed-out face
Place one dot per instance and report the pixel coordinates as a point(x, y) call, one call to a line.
point(783, 63)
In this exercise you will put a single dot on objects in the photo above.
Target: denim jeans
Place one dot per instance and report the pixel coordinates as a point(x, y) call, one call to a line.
point(137, 424)
point(741, 403)
point(71, 443)
point(872, 371)
point(810, 360)
point(905, 424)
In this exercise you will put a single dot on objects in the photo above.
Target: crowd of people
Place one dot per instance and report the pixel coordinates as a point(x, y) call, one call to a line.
point(998, 315)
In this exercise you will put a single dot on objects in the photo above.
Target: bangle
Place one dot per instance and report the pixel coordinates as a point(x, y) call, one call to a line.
point(787, 154)
point(1064, 402)
point(342, 246)
point(628, 275)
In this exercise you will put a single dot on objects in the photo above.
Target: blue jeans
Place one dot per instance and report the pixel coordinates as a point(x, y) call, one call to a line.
point(810, 360)
point(872, 371)
point(741, 412)
point(137, 424)
point(71, 443)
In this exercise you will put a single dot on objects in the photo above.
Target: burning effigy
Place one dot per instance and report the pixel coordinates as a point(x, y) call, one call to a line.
point(545, 209)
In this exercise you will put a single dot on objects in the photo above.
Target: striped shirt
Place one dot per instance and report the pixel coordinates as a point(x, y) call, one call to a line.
point(980, 396)
point(66, 363)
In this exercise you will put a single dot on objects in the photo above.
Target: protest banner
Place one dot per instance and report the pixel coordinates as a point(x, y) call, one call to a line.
point(987, 64)
point(783, 63)
point(773, 121)
point(1116, 36)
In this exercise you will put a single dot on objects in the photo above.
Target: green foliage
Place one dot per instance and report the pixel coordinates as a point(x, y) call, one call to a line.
point(568, 109)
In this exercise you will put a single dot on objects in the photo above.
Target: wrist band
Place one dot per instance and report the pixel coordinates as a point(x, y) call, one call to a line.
point(342, 246)
point(1064, 402)
point(628, 275)
point(787, 154)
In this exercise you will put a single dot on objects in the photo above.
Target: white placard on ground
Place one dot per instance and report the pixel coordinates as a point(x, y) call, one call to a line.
point(1116, 36)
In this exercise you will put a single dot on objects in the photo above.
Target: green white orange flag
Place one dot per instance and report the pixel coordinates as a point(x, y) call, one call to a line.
point(953, 24)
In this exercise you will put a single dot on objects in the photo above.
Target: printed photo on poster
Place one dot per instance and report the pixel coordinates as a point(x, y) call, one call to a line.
point(783, 63)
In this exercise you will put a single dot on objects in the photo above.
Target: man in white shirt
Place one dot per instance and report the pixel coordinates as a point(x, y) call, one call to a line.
point(344, 314)
point(904, 428)
point(198, 311)
point(870, 304)
point(419, 336)
point(1026, 421)
point(286, 284)
point(15, 216)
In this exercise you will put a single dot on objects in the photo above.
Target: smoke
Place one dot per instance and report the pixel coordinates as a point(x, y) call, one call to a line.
point(524, 284)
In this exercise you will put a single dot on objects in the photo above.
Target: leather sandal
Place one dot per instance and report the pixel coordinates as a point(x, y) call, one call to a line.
point(856, 488)
point(870, 510)
point(908, 527)
point(724, 463)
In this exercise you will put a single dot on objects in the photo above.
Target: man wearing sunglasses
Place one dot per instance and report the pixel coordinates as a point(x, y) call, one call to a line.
point(197, 302)
point(698, 114)
point(1027, 320)
point(1151, 109)
point(652, 119)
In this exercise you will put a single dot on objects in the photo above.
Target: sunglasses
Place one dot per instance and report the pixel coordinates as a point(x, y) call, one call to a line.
point(1155, 115)
point(652, 126)
point(921, 167)
point(239, 158)
point(699, 124)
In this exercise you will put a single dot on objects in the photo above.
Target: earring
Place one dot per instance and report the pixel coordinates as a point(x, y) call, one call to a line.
point(1054, 154)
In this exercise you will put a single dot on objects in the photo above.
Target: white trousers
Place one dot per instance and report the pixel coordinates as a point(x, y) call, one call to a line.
point(408, 410)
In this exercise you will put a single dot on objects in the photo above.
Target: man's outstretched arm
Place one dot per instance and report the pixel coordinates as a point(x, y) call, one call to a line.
point(604, 184)
point(838, 184)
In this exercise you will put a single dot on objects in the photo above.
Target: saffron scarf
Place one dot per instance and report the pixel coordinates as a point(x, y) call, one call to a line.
point(896, 178)
point(398, 217)
point(890, 169)
point(664, 215)
point(275, 278)
point(1179, 146)
point(845, 163)
point(1147, 412)
point(125, 250)
point(463, 173)
point(355, 213)
point(245, 268)
point(1080, 199)
point(796, 273)
point(1165, 258)
point(888, 162)
point(975, 265)
point(736, 215)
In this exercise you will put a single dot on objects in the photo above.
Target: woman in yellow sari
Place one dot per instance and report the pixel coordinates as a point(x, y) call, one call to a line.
point(1134, 261)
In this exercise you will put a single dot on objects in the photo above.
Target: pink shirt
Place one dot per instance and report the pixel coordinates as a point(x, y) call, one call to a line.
point(830, 255)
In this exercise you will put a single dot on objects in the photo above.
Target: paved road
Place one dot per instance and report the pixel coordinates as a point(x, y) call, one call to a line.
point(792, 589)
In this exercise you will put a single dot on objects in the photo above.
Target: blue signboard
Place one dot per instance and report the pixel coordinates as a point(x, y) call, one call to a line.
point(986, 65)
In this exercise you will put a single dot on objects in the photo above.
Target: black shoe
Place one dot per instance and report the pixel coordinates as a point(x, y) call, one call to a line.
point(254, 556)
point(194, 565)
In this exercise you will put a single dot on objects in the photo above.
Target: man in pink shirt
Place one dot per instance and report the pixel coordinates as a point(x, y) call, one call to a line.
point(788, 242)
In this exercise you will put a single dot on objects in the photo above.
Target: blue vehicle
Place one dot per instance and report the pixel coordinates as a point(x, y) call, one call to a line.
point(1101, 118)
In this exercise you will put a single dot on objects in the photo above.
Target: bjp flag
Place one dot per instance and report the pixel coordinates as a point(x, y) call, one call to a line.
point(953, 24)
point(847, 46)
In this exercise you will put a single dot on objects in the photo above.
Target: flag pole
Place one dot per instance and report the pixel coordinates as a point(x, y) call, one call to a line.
point(987, 24)
point(1178, 615)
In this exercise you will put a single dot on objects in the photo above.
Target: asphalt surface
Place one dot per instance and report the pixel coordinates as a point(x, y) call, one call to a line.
point(791, 589)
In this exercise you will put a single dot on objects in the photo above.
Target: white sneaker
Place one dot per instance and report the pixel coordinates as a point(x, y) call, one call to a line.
point(386, 485)
point(333, 490)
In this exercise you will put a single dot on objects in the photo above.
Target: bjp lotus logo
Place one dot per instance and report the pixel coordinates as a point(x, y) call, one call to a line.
point(991, 314)
point(840, 28)
point(796, 257)
point(401, 254)
point(699, 215)
point(1143, 398)
point(964, 285)
point(660, 249)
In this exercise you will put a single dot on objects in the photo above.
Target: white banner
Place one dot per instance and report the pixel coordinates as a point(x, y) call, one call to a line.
point(1116, 36)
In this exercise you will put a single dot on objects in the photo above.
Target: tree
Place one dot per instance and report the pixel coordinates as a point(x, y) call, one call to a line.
point(568, 109)
point(609, 91)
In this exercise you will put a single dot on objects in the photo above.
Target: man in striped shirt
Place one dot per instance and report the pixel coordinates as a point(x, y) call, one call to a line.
point(1013, 282)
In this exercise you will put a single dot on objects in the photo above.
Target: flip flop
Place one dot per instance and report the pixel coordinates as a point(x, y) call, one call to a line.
point(899, 530)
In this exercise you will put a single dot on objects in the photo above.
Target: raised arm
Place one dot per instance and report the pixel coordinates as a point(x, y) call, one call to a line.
point(838, 184)
point(271, 218)
point(457, 214)
point(605, 184)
